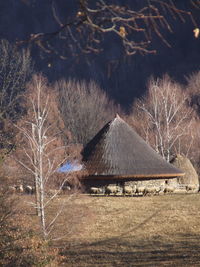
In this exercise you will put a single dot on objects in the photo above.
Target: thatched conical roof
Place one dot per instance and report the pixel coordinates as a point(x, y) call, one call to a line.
point(118, 151)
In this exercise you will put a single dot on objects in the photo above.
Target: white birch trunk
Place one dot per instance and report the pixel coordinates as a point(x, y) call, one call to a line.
point(168, 115)
point(42, 165)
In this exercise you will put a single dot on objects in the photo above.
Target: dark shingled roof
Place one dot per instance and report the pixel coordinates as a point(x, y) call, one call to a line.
point(118, 151)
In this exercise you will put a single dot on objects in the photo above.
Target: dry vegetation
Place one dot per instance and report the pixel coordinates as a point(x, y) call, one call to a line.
point(91, 231)
point(129, 231)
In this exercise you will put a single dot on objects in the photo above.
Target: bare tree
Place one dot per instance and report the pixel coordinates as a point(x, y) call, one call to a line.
point(164, 116)
point(84, 108)
point(43, 150)
point(15, 68)
point(193, 88)
point(91, 20)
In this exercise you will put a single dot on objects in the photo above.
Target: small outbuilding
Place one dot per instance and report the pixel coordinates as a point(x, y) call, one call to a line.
point(118, 155)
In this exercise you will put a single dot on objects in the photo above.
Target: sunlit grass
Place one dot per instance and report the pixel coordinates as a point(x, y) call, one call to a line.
point(132, 231)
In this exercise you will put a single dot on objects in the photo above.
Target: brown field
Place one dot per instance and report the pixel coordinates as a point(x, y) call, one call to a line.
point(129, 231)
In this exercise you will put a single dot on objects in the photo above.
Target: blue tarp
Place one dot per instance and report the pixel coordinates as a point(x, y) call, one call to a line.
point(70, 167)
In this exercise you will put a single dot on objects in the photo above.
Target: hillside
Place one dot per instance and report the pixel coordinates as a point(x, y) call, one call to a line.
point(123, 78)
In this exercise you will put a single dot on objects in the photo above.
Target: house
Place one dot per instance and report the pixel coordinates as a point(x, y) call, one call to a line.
point(118, 155)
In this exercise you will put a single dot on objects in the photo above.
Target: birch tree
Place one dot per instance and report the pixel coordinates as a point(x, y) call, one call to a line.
point(165, 116)
point(43, 151)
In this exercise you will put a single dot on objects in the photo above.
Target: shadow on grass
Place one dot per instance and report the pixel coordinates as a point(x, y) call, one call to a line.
point(129, 250)
point(135, 247)
point(125, 252)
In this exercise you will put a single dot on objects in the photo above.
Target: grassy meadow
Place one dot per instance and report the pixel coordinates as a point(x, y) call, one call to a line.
point(127, 231)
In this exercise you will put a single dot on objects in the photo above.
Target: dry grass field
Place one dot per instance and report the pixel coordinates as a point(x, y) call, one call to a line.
point(130, 231)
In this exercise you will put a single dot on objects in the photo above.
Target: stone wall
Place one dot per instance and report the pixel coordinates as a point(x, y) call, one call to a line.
point(102, 183)
point(147, 183)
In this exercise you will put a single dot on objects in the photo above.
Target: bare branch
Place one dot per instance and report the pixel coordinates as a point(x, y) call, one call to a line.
point(166, 115)
point(133, 27)
point(39, 150)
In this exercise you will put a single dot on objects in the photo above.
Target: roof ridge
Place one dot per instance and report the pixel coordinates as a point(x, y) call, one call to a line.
point(117, 149)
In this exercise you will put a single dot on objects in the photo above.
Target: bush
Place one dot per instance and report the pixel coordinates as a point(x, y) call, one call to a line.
point(19, 246)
